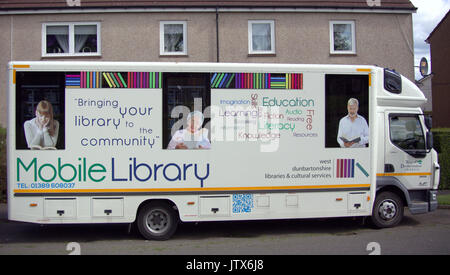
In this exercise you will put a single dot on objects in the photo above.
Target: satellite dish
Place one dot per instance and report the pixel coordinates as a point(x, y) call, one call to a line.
point(423, 66)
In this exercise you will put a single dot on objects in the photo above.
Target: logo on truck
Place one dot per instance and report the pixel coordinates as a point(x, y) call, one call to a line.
point(86, 171)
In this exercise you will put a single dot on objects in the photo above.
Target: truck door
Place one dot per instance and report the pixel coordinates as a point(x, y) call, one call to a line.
point(406, 157)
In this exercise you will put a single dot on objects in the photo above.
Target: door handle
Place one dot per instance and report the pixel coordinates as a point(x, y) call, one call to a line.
point(389, 168)
point(215, 210)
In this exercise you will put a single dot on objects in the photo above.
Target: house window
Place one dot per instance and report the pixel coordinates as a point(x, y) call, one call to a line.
point(173, 38)
point(70, 39)
point(342, 37)
point(261, 36)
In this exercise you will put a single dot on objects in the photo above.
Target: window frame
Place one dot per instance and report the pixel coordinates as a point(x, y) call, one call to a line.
point(71, 26)
point(162, 52)
point(412, 152)
point(346, 22)
point(250, 37)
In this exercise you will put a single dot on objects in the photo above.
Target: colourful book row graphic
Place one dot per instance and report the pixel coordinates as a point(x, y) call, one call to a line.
point(257, 81)
point(114, 80)
point(345, 168)
point(154, 80)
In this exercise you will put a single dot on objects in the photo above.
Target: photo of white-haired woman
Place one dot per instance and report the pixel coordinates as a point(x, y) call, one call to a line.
point(193, 136)
point(41, 132)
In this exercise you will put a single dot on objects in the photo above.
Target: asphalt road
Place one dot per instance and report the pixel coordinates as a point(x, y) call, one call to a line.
point(419, 234)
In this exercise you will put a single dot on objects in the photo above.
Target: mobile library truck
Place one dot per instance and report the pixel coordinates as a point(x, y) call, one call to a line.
point(159, 143)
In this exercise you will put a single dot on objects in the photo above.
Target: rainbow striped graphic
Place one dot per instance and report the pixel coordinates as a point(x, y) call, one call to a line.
point(73, 80)
point(252, 81)
point(222, 80)
point(144, 79)
point(345, 168)
point(88, 80)
point(114, 80)
point(257, 81)
point(286, 81)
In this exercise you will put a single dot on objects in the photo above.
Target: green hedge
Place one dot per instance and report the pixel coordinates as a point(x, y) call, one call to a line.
point(442, 145)
point(2, 164)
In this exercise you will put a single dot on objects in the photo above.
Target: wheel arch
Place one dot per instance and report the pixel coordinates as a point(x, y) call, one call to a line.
point(393, 185)
point(156, 201)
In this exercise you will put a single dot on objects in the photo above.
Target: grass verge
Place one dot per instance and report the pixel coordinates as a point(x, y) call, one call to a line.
point(444, 199)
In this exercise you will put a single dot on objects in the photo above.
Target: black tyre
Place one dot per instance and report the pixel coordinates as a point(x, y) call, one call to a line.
point(157, 221)
point(387, 211)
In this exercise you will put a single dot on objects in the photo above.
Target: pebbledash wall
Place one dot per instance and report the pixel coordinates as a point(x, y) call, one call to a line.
point(384, 38)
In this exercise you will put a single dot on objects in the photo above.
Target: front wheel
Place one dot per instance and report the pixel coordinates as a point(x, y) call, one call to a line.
point(388, 210)
point(157, 221)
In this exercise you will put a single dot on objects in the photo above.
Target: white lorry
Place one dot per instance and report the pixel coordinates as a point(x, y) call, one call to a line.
point(159, 143)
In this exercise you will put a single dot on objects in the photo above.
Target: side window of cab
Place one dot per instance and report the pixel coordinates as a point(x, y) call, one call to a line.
point(406, 132)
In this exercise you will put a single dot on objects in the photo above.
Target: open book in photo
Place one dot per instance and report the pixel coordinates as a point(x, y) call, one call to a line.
point(354, 139)
point(197, 144)
point(38, 147)
point(191, 144)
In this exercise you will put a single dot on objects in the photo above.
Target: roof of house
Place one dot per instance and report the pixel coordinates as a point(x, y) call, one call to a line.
point(352, 4)
point(437, 27)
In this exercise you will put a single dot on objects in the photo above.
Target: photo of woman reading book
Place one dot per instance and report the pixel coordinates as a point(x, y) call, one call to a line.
point(41, 132)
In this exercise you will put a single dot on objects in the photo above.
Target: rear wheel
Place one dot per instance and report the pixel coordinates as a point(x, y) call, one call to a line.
point(388, 210)
point(157, 221)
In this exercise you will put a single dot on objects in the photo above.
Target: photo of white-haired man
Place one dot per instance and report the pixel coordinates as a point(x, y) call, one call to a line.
point(353, 128)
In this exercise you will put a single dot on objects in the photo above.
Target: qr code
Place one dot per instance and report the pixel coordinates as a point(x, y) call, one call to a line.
point(242, 203)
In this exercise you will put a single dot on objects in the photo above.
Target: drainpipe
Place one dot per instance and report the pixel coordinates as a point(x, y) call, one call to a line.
point(217, 34)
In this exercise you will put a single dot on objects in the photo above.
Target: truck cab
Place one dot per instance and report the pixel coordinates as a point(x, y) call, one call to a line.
point(408, 174)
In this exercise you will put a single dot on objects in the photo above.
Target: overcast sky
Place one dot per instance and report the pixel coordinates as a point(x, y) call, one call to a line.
point(429, 14)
